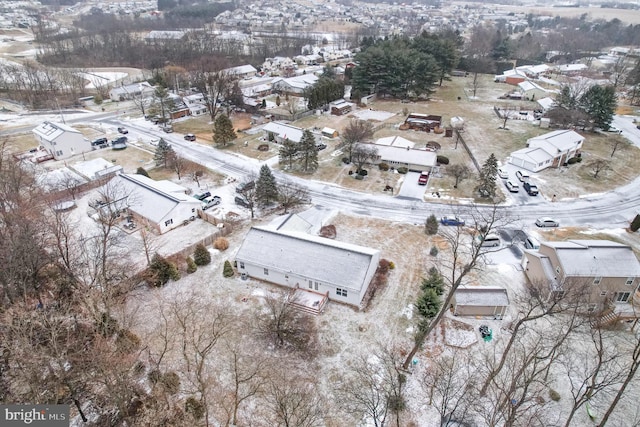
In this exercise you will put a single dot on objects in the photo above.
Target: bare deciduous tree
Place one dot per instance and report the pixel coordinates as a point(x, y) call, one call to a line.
point(459, 172)
point(286, 327)
point(291, 195)
point(294, 400)
point(361, 154)
point(599, 165)
point(355, 132)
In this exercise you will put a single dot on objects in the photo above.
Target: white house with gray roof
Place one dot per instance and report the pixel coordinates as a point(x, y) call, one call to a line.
point(552, 149)
point(609, 269)
point(60, 140)
point(282, 131)
point(403, 155)
point(161, 205)
point(295, 259)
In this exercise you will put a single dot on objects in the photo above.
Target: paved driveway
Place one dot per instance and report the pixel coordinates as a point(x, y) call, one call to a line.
point(410, 188)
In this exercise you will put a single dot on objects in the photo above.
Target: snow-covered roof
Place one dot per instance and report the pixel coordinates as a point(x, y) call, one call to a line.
point(592, 258)
point(59, 179)
point(567, 68)
point(301, 82)
point(546, 103)
point(395, 141)
point(242, 69)
point(409, 156)
point(534, 155)
point(151, 199)
point(529, 85)
point(290, 222)
point(49, 131)
point(133, 88)
point(284, 131)
point(557, 141)
point(325, 260)
point(482, 296)
point(95, 168)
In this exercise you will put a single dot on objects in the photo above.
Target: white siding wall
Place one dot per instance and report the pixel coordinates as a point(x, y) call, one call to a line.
point(66, 145)
point(182, 212)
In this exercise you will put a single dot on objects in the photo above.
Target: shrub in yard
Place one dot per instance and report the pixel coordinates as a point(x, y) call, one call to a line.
point(554, 395)
point(194, 407)
point(263, 147)
point(127, 341)
point(345, 160)
point(270, 136)
point(635, 224)
point(443, 160)
point(162, 271)
point(383, 266)
point(171, 382)
point(573, 160)
point(228, 270)
point(97, 99)
point(431, 225)
point(383, 166)
point(201, 256)
point(191, 266)
point(403, 170)
point(433, 251)
point(363, 172)
point(579, 159)
point(350, 172)
point(154, 376)
point(392, 265)
point(142, 171)
point(221, 244)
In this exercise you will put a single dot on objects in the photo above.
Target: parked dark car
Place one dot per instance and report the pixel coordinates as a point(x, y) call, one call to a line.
point(242, 201)
point(119, 143)
point(242, 187)
point(123, 130)
point(531, 189)
point(202, 196)
point(190, 137)
point(100, 142)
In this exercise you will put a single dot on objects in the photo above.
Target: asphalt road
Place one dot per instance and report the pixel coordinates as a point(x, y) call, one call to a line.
point(613, 209)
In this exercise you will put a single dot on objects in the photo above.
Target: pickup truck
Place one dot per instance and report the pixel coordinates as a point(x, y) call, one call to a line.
point(424, 178)
point(531, 189)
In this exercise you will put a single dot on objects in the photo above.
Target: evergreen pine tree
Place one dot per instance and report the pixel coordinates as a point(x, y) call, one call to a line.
point(288, 152)
point(201, 256)
point(163, 153)
point(162, 271)
point(428, 304)
point(308, 153)
point(228, 269)
point(487, 186)
point(266, 187)
point(431, 225)
point(223, 132)
point(434, 281)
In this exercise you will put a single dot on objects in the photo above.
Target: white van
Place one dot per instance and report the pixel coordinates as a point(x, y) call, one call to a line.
point(489, 240)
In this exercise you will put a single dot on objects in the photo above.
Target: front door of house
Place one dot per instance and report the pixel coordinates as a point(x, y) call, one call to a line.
point(622, 296)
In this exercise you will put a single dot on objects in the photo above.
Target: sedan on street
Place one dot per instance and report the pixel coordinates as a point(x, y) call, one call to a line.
point(547, 222)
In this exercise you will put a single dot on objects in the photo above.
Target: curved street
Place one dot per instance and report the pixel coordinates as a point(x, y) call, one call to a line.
point(613, 209)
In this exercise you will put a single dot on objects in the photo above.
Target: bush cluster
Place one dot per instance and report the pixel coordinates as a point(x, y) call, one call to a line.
point(383, 167)
point(201, 256)
point(443, 160)
point(221, 244)
point(403, 170)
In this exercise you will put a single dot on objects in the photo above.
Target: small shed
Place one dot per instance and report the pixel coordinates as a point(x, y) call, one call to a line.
point(329, 133)
point(339, 108)
point(425, 122)
point(480, 301)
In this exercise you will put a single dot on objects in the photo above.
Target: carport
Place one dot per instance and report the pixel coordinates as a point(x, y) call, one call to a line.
point(480, 301)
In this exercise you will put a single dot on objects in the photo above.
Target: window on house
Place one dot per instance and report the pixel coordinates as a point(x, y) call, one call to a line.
point(241, 264)
point(310, 284)
point(597, 280)
point(341, 292)
point(266, 271)
point(168, 222)
point(629, 281)
point(316, 286)
point(286, 276)
point(193, 210)
point(603, 293)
